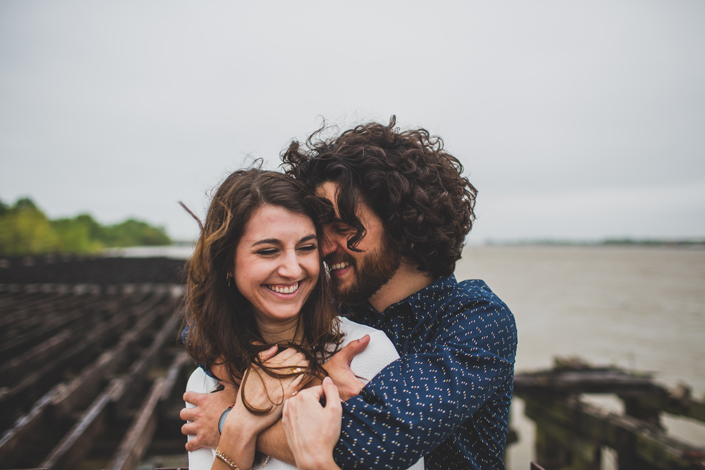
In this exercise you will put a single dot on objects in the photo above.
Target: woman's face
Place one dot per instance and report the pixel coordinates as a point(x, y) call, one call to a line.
point(277, 265)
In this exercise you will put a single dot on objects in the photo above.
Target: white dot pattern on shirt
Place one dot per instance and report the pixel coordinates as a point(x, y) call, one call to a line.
point(448, 396)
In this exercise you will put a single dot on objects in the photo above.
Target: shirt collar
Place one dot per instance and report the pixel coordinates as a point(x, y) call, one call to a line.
point(421, 301)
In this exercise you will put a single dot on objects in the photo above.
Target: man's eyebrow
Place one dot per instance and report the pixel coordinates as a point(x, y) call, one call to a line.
point(276, 240)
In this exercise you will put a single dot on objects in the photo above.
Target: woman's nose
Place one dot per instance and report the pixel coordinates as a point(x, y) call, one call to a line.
point(290, 266)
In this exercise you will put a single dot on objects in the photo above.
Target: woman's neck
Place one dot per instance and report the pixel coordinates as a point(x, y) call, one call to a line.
point(279, 332)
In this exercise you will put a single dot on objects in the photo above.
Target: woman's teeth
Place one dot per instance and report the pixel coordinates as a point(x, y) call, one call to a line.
point(285, 290)
point(339, 266)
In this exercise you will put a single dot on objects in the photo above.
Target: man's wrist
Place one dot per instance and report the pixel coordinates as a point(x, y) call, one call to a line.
point(272, 441)
point(323, 462)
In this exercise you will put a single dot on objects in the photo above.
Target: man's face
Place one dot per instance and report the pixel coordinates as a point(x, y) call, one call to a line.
point(357, 276)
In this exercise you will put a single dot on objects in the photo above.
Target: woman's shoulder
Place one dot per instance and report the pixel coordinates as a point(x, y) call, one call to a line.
point(200, 382)
point(379, 352)
point(354, 330)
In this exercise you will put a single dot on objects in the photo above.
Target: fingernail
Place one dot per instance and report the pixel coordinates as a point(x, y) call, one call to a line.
point(327, 379)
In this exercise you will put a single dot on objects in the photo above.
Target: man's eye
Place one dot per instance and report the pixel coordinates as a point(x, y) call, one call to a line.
point(343, 229)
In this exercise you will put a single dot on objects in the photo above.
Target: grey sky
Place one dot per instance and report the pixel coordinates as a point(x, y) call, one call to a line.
point(574, 119)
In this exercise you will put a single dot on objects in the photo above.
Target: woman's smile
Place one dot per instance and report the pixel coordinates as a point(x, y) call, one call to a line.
point(280, 289)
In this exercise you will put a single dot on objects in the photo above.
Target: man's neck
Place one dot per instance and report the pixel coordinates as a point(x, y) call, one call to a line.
point(406, 281)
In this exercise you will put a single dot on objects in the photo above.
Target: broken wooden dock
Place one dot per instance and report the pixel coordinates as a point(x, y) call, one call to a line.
point(91, 375)
point(571, 433)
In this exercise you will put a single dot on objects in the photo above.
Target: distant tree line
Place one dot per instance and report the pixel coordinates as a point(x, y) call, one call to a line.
point(26, 230)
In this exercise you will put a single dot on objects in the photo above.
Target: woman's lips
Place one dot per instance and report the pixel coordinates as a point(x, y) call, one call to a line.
point(284, 289)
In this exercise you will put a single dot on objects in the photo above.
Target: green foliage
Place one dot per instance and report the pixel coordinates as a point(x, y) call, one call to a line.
point(25, 230)
point(134, 232)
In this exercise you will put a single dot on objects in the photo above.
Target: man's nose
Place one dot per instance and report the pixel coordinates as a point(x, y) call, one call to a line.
point(330, 242)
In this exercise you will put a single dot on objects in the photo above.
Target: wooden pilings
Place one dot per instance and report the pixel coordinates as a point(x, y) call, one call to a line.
point(571, 433)
point(90, 375)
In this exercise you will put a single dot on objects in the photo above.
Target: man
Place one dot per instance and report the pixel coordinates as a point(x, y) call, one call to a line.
point(402, 211)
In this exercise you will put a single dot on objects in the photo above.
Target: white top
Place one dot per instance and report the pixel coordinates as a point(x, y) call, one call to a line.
point(365, 365)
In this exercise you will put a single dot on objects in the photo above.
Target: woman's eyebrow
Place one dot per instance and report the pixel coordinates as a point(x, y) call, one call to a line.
point(266, 240)
point(276, 240)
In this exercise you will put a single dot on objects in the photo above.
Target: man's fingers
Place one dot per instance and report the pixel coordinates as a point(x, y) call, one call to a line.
point(331, 393)
point(194, 397)
point(193, 445)
point(354, 348)
point(188, 414)
point(312, 393)
point(288, 356)
point(264, 356)
point(188, 429)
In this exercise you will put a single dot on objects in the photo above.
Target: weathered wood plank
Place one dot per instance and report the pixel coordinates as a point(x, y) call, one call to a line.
point(11, 370)
point(63, 398)
point(51, 372)
point(676, 401)
point(588, 381)
point(651, 446)
point(177, 370)
point(14, 439)
point(77, 442)
point(138, 437)
point(85, 383)
point(147, 359)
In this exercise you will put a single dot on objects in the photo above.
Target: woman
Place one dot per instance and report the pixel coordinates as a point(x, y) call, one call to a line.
point(256, 287)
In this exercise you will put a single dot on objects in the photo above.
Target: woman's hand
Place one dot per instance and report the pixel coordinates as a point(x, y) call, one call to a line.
point(312, 429)
point(262, 392)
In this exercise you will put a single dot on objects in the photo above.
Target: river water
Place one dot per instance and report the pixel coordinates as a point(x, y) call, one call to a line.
point(635, 307)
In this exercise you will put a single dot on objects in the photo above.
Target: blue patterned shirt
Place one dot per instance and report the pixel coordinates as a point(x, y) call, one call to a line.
point(447, 398)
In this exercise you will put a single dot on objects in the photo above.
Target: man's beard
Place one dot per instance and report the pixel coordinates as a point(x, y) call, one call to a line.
point(371, 273)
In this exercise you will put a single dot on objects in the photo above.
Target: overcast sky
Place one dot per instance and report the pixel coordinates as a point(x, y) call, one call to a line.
point(575, 120)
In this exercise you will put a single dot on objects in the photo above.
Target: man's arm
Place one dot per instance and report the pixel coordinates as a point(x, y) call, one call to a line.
point(417, 402)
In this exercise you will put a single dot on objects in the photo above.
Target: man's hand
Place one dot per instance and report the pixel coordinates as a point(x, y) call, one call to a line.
point(205, 416)
point(312, 429)
point(338, 368)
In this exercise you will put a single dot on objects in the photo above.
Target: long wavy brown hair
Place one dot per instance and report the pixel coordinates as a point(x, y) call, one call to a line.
point(220, 320)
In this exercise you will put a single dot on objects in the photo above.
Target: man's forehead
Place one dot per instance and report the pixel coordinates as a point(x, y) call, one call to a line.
point(329, 190)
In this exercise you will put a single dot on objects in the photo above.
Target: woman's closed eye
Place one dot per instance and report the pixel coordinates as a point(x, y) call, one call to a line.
point(267, 251)
point(308, 248)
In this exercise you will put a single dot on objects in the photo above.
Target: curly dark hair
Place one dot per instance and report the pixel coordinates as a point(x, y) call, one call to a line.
point(220, 320)
point(406, 177)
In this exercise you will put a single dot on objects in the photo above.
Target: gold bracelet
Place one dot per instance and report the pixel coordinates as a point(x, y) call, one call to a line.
point(226, 460)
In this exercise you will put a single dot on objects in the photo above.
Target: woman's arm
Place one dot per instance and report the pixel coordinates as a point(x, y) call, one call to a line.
point(241, 427)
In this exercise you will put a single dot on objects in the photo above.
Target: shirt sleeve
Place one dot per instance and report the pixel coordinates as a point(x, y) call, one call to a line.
point(419, 400)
